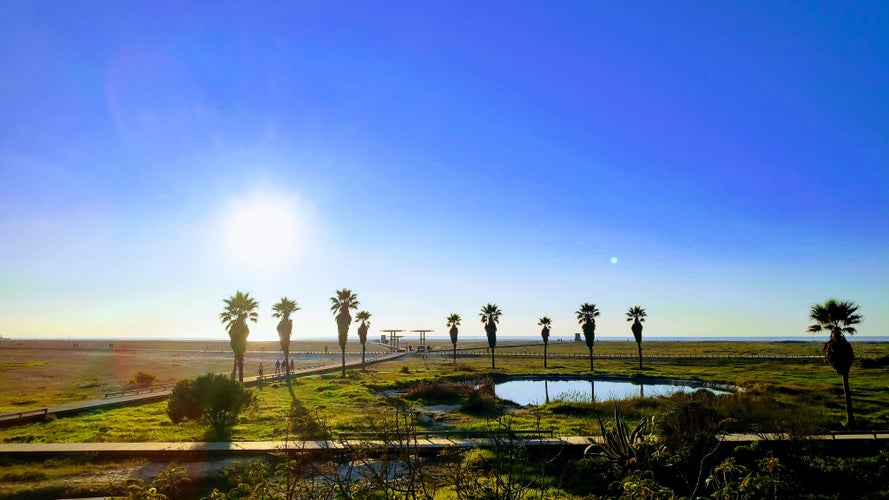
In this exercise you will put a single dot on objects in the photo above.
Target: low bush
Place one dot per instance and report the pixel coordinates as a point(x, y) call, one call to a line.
point(443, 393)
point(213, 397)
point(142, 379)
point(184, 403)
point(871, 363)
point(222, 400)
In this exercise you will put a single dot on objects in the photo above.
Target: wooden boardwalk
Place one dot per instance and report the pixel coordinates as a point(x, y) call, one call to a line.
point(151, 394)
point(420, 443)
point(471, 352)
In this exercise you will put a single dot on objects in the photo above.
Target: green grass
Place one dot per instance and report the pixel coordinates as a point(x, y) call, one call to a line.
point(797, 395)
point(18, 477)
point(774, 388)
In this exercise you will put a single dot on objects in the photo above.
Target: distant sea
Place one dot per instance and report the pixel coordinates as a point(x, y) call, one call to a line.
point(513, 338)
point(812, 338)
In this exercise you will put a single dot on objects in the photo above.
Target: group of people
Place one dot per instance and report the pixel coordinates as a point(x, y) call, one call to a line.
point(280, 368)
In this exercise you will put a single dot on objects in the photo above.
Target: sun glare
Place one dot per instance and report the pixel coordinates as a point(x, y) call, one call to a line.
point(262, 230)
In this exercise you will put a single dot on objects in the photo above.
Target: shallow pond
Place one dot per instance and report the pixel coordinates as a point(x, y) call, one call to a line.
point(541, 391)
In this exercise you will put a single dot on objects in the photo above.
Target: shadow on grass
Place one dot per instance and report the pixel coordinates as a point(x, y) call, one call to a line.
point(287, 380)
point(305, 423)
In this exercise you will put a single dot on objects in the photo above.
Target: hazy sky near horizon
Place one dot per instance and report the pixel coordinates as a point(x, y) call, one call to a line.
point(723, 164)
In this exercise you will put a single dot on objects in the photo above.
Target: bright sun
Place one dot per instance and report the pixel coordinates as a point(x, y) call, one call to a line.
point(262, 230)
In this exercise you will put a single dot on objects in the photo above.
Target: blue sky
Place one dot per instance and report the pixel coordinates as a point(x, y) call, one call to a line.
point(435, 156)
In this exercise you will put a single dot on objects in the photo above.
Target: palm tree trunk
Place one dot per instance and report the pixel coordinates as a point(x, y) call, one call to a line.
point(492, 358)
point(591, 359)
point(544, 354)
point(362, 358)
point(287, 364)
point(850, 418)
point(455, 354)
point(639, 345)
point(343, 350)
point(241, 368)
point(235, 367)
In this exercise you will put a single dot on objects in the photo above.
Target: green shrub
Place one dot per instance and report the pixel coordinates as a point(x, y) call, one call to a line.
point(213, 397)
point(222, 399)
point(482, 400)
point(444, 393)
point(871, 363)
point(184, 403)
point(142, 379)
point(689, 430)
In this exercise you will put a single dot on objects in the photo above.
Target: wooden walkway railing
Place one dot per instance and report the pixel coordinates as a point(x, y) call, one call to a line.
point(430, 444)
point(475, 352)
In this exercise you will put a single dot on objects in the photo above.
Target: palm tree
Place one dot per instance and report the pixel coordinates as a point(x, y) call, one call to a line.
point(283, 310)
point(344, 300)
point(637, 315)
point(837, 317)
point(239, 308)
point(545, 322)
point(490, 317)
point(586, 316)
point(363, 317)
point(453, 322)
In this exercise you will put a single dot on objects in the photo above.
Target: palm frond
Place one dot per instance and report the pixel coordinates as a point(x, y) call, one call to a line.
point(284, 308)
point(835, 316)
point(636, 313)
point(344, 299)
point(490, 313)
point(454, 320)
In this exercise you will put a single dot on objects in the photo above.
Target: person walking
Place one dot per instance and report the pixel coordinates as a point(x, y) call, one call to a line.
point(260, 370)
point(277, 367)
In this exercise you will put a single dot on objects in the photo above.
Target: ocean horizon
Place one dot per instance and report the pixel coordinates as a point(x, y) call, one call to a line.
point(525, 338)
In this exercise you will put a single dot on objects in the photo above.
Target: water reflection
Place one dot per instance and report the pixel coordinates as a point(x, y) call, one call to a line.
point(535, 391)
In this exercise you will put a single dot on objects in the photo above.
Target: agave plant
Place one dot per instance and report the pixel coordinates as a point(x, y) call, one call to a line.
point(453, 322)
point(620, 443)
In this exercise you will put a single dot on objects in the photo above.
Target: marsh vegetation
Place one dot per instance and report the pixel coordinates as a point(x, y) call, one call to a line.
point(792, 396)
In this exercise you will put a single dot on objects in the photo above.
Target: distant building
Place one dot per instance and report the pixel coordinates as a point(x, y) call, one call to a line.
point(383, 339)
point(577, 338)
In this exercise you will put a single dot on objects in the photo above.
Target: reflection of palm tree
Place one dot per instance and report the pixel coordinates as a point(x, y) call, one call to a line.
point(344, 300)
point(490, 316)
point(239, 308)
point(283, 310)
point(545, 322)
point(546, 389)
point(586, 316)
point(453, 322)
point(637, 315)
point(363, 317)
point(837, 317)
point(593, 390)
